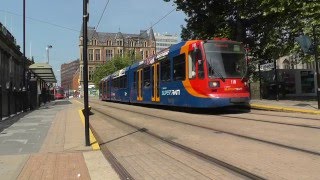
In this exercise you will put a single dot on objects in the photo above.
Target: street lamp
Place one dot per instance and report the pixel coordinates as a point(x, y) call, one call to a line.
point(47, 48)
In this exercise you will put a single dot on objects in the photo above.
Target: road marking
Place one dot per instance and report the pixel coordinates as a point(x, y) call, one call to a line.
point(284, 109)
point(20, 141)
point(93, 141)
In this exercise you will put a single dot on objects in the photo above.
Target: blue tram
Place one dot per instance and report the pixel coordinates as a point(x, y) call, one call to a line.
point(195, 73)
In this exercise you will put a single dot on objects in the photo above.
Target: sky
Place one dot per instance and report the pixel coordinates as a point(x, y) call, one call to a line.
point(58, 23)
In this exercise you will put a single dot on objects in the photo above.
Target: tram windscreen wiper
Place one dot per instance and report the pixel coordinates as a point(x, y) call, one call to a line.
point(214, 71)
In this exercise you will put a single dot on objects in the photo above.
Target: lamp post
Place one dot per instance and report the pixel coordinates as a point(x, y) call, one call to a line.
point(47, 48)
point(24, 59)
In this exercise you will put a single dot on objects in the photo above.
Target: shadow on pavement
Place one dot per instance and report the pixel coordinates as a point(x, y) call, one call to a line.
point(62, 102)
point(4, 124)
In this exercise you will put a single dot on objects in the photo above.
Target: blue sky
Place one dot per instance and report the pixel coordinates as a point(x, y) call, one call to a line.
point(130, 16)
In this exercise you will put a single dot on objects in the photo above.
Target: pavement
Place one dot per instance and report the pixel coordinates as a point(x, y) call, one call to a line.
point(49, 143)
point(300, 106)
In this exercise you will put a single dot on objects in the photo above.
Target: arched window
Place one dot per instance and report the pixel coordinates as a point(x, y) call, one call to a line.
point(286, 64)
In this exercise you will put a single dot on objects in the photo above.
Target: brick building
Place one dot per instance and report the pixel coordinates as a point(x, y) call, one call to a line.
point(67, 72)
point(103, 46)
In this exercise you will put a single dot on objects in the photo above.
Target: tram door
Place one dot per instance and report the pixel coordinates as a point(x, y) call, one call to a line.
point(139, 85)
point(155, 82)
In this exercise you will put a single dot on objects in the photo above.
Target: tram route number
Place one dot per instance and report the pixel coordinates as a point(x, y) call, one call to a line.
point(171, 92)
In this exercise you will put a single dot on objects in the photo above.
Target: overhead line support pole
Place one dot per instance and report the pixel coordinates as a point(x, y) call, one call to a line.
point(85, 70)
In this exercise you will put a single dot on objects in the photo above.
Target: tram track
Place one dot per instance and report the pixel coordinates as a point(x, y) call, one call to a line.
point(189, 150)
point(223, 131)
point(271, 122)
point(286, 116)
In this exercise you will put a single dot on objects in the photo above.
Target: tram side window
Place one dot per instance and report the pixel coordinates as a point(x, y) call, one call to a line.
point(124, 81)
point(200, 65)
point(135, 77)
point(165, 70)
point(179, 67)
point(104, 84)
point(108, 88)
point(192, 64)
point(146, 77)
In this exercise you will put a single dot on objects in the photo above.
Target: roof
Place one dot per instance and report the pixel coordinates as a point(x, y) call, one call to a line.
point(44, 72)
point(102, 36)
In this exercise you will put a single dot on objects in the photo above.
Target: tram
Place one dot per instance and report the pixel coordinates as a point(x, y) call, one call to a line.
point(195, 74)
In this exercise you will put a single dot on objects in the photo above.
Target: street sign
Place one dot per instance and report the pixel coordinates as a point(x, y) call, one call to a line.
point(267, 67)
point(305, 43)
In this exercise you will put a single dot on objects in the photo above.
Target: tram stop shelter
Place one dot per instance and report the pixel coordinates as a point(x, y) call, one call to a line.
point(44, 72)
point(41, 80)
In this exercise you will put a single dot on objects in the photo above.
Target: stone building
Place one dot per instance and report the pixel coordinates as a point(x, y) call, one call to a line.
point(11, 73)
point(103, 46)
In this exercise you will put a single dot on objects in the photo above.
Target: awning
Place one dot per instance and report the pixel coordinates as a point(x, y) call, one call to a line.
point(44, 72)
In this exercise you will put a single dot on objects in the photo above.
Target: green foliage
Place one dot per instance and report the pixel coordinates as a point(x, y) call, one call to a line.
point(110, 67)
point(267, 26)
point(102, 71)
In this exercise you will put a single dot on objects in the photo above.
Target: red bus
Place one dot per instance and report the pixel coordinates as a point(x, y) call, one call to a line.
point(59, 93)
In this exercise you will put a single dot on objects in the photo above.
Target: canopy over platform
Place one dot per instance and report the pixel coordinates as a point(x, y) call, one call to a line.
point(44, 72)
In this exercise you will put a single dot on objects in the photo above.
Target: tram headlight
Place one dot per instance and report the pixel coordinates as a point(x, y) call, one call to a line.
point(214, 84)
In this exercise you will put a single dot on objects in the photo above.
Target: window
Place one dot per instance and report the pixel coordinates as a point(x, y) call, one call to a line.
point(147, 54)
point(179, 70)
point(81, 73)
point(286, 64)
point(119, 42)
point(135, 77)
point(91, 71)
point(146, 76)
point(109, 43)
point(109, 54)
point(192, 65)
point(120, 82)
point(97, 54)
point(145, 44)
point(120, 52)
point(165, 70)
point(90, 54)
point(108, 88)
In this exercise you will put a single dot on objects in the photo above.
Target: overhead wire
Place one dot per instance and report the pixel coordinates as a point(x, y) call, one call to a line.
point(162, 18)
point(42, 21)
point(105, 7)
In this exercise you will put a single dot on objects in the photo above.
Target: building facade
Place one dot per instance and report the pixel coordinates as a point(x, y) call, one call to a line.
point(164, 41)
point(103, 46)
point(11, 74)
point(295, 78)
point(67, 72)
point(76, 82)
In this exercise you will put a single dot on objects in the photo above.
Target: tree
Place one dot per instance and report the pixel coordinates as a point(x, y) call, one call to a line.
point(102, 71)
point(267, 26)
point(110, 67)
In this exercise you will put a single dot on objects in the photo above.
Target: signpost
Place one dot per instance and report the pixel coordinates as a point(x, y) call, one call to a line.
point(310, 47)
point(266, 67)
